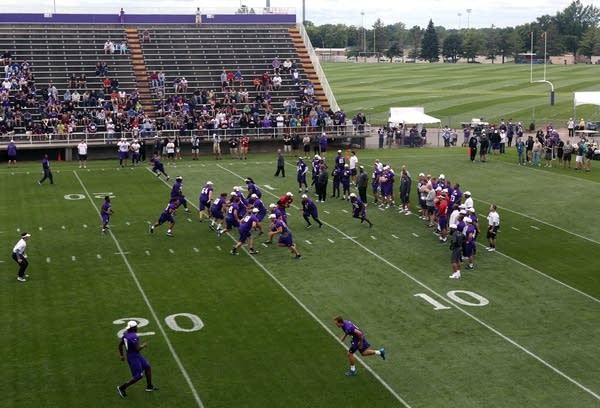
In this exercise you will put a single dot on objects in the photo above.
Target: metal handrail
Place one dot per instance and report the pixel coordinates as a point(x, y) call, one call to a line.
point(318, 69)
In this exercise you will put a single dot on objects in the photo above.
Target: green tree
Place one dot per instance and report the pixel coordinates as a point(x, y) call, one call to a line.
point(430, 47)
point(573, 21)
point(506, 42)
point(381, 39)
point(473, 42)
point(589, 42)
point(415, 34)
point(452, 46)
point(394, 50)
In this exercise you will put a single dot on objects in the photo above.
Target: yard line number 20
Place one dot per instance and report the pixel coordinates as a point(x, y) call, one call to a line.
point(171, 321)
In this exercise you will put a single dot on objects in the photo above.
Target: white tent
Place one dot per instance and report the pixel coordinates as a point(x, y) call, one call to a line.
point(586, 98)
point(411, 115)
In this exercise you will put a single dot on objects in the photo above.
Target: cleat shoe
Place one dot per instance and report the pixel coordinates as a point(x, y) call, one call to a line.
point(253, 251)
point(471, 267)
point(298, 256)
point(170, 234)
point(268, 242)
point(308, 226)
point(407, 212)
point(21, 279)
point(351, 373)
point(121, 392)
point(151, 229)
point(168, 178)
point(234, 252)
point(151, 388)
point(382, 351)
point(455, 276)
point(157, 174)
point(491, 249)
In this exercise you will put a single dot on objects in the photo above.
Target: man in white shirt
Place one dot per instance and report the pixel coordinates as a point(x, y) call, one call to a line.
point(18, 254)
point(468, 200)
point(82, 153)
point(353, 161)
point(123, 146)
point(217, 146)
point(170, 147)
point(493, 226)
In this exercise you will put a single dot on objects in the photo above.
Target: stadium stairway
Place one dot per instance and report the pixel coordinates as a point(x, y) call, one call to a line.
point(140, 72)
point(308, 67)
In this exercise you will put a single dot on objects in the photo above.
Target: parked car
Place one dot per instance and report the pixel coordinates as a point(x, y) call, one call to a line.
point(593, 125)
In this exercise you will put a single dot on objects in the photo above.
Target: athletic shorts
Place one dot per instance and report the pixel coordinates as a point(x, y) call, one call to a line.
point(137, 365)
point(354, 346)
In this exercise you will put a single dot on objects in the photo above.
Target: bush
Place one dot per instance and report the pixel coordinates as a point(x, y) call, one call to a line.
point(531, 127)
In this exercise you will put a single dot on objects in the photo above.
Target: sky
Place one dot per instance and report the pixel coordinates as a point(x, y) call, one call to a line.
point(447, 13)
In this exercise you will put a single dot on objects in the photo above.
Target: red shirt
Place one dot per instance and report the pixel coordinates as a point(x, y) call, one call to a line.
point(285, 201)
point(245, 142)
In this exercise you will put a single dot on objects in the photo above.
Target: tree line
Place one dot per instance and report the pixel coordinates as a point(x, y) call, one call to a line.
point(573, 30)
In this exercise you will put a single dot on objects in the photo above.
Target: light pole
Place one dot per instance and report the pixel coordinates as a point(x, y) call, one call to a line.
point(469, 18)
point(459, 16)
point(362, 13)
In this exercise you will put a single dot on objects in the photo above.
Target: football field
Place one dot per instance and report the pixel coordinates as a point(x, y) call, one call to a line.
point(520, 330)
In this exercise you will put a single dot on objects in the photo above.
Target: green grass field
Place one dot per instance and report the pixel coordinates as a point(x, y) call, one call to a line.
point(457, 93)
point(521, 330)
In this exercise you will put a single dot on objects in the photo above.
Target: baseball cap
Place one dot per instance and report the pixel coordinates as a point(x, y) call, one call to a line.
point(452, 226)
point(272, 205)
point(178, 178)
point(339, 151)
point(131, 323)
point(421, 174)
point(468, 219)
point(271, 216)
point(438, 188)
point(304, 196)
point(253, 195)
point(209, 182)
point(462, 207)
point(25, 234)
point(352, 195)
point(442, 176)
point(255, 210)
point(289, 194)
point(471, 209)
point(467, 193)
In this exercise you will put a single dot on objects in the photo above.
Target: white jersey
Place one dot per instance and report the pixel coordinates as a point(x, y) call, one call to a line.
point(82, 148)
point(19, 249)
point(353, 162)
point(493, 219)
point(170, 147)
point(453, 217)
point(469, 202)
point(135, 146)
point(123, 146)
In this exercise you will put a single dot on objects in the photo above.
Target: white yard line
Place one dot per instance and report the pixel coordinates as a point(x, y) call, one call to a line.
point(133, 275)
point(440, 296)
point(543, 222)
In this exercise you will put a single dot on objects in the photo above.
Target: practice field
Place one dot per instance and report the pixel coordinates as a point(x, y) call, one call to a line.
point(457, 93)
point(520, 330)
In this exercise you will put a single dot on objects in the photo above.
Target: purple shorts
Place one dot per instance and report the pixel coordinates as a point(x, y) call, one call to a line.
point(231, 222)
point(443, 222)
point(244, 235)
point(137, 365)
point(286, 239)
point(216, 214)
point(164, 217)
point(354, 346)
point(123, 155)
point(202, 204)
point(105, 218)
point(469, 248)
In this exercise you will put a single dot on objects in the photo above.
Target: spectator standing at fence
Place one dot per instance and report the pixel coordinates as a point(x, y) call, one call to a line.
point(122, 16)
point(245, 144)
point(11, 151)
point(571, 127)
point(82, 149)
point(280, 164)
point(47, 171)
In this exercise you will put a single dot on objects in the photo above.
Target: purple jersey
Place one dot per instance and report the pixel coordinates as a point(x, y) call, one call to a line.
point(358, 208)
point(11, 149)
point(167, 214)
point(137, 363)
point(262, 210)
point(105, 211)
point(216, 208)
point(205, 194)
point(247, 222)
point(349, 329)
point(280, 214)
point(309, 207)
point(340, 161)
point(253, 189)
point(346, 173)
point(131, 342)
point(45, 164)
point(177, 190)
point(456, 196)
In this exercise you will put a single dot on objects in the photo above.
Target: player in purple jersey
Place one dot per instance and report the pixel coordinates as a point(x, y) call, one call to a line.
point(46, 169)
point(158, 167)
point(177, 192)
point(252, 188)
point(375, 185)
point(217, 212)
point(247, 224)
point(256, 202)
point(469, 243)
point(309, 209)
point(339, 160)
point(167, 216)
point(337, 178)
point(105, 213)
point(232, 218)
point(139, 366)
point(359, 210)
point(301, 169)
point(285, 235)
point(205, 200)
point(359, 343)
point(345, 177)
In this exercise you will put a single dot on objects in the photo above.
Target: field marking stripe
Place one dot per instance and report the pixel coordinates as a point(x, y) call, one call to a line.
point(543, 222)
point(146, 300)
point(315, 317)
point(595, 299)
point(457, 306)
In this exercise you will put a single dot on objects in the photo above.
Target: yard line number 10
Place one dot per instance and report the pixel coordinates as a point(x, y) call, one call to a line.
point(478, 300)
